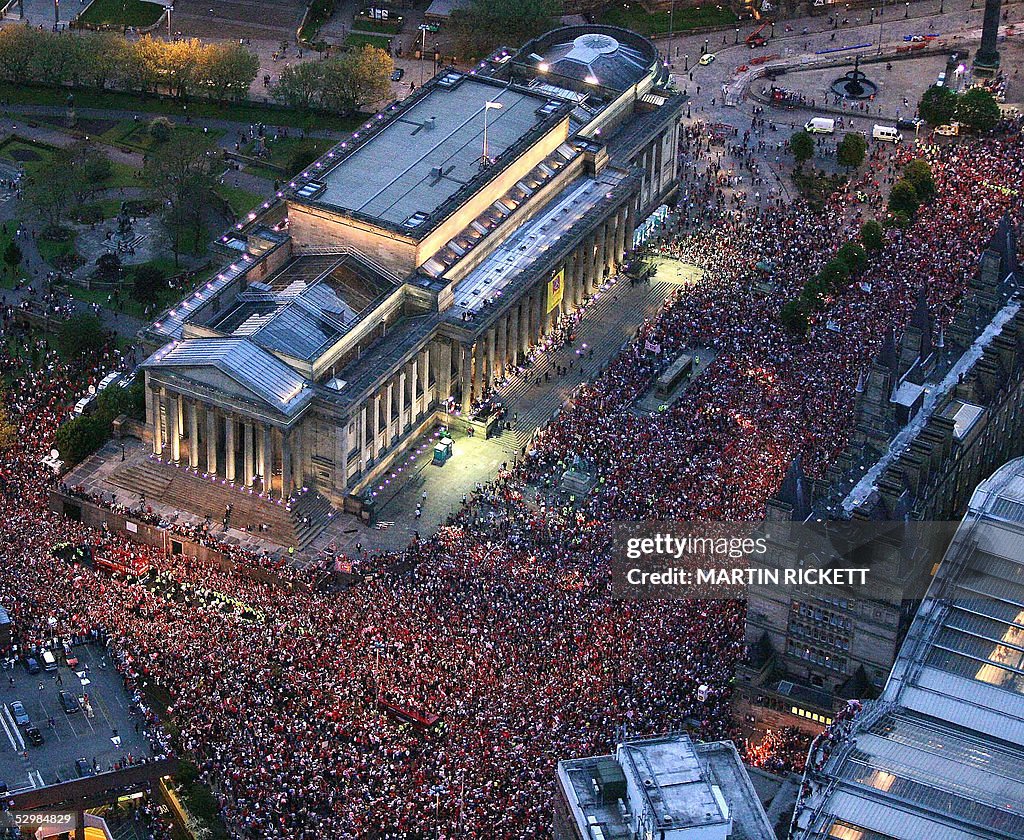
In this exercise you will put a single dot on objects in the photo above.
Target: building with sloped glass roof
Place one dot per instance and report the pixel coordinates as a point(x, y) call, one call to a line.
point(939, 754)
point(403, 274)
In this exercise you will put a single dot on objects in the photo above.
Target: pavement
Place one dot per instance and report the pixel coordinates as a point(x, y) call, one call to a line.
point(84, 734)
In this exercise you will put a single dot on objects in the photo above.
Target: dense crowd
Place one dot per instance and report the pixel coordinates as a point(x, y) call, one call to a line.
point(296, 706)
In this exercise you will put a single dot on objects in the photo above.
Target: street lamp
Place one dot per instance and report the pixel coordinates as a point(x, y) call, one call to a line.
point(737, 35)
point(671, 18)
point(169, 10)
point(907, 13)
point(56, 14)
point(686, 63)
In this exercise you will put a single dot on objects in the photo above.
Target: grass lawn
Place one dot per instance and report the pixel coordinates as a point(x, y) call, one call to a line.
point(241, 200)
point(387, 27)
point(122, 13)
point(282, 150)
point(123, 175)
point(25, 153)
point(129, 304)
point(137, 136)
point(356, 40)
point(633, 16)
point(242, 112)
point(51, 251)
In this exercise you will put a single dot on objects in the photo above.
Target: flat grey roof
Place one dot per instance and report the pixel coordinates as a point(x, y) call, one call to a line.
point(394, 174)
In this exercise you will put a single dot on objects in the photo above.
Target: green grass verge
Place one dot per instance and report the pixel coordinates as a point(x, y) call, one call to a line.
point(634, 16)
point(52, 251)
point(27, 154)
point(356, 40)
point(136, 135)
point(240, 199)
point(241, 112)
point(7, 276)
point(387, 27)
point(122, 13)
point(280, 151)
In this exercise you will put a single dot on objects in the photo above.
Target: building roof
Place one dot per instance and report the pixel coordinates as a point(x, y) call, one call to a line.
point(684, 784)
point(261, 374)
point(939, 754)
point(434, 147)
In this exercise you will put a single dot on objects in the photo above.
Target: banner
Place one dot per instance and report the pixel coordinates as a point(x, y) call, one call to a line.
point(555, 288)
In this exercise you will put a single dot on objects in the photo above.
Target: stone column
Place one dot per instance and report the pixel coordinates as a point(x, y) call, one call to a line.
point(501, 342)
point(478, 368)
point(286, 465)
point(524, 324)
point(401, 402)
point(389, 404)
point(631, 214)
point(424, 377)
point(987, 57)
point(415, 402)
point(589, 247)
point(174, 430)
point(247, 459)
point(341, 450)
point(266, 458)
point(538, 309)
point(361, 437)
point(158, 423)
point(599, 257)
point(298, 455)
point(492, 348)
point(193, 436)
point(570, 266)
point(620, 236)
point(375, 427)
point(443, 374)
point(466, 376)
point(211, 441)
point(229, 448)
point(512, 347)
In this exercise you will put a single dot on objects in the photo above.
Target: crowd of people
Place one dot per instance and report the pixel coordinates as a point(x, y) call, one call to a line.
point(304, 710)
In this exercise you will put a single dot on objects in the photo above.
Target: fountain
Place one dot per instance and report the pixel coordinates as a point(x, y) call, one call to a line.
point(854, 84)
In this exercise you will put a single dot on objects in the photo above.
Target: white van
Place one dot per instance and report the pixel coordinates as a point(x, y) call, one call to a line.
point(820, 125)
point(83, 405)
point(49, 661)
point(886, 133)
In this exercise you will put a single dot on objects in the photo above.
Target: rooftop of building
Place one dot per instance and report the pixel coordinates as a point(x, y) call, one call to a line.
point(938, 755)
point(590, 56)
point(415, 156)
point(686, 785)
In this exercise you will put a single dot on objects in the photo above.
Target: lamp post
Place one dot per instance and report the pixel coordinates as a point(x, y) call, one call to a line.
point(671, 18)
point(737, 35)
point(907, 13)
point(56, 14)
point(169, 10)
point(423, 47)
point(686, 63)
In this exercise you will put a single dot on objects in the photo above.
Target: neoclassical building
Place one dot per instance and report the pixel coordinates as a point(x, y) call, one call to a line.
point(398, 277)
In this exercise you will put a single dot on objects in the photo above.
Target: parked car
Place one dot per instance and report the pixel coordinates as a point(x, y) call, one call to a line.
point(397, 75)
point(909, 124)
point(32, 665)
point(49, 661)
point(84, 768)
point(68, 702)
point(706, 59)
point(20, 715)
point(35, 737)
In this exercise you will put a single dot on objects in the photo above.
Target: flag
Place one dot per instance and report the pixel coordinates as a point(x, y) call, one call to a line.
point(492, 105)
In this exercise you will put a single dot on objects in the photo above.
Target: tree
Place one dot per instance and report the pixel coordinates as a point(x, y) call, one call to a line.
point(903, 199)
point(160, 129)
point(853, 255)
point(852, 149)
point(149, 282)
point(801, 144)
point(300, 85)
point(8, 432)
point(937, 105)
point(486, 24)
point(871, 235)
point(108, 265)
point(303, 155)
point(79, 437)
point(978, 109)
point(227, 70)
point(114, 401)
point(919, 173)
point(12, 256)
point(89, 169)
point(181, 175)
point(18, 47)
point(50, 192)
point(833, 276)
point(80, 335)
point(356, 79)
point(793, 318)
